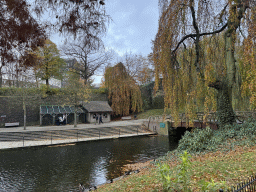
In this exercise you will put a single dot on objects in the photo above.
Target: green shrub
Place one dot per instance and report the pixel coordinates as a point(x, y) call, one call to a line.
point(199, 140)
point(165, 176)
point(212, 186)
point(180, 183)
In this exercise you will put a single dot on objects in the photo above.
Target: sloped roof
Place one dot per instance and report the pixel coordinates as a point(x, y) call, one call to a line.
point(56, 109)
point(96, 106)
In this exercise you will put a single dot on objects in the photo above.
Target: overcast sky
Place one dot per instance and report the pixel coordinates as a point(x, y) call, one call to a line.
point(134, 26)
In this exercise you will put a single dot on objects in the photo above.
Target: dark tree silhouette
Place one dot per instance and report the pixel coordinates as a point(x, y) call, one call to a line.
point(85, 20)
point(19, 32)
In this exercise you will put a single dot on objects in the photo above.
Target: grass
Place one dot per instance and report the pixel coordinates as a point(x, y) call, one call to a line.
point(147, 180)
point(232, 167)
point(231, 163)
point(151, 112)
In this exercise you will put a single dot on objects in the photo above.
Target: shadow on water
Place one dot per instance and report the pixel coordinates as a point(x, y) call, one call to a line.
point(62, 168)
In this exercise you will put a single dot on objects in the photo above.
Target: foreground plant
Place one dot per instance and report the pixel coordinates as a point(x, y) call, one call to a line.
point(181, 183)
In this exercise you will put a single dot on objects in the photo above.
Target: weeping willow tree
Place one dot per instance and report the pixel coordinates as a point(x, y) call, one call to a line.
point(195, 55)
point(248, 68)
point(124, 93)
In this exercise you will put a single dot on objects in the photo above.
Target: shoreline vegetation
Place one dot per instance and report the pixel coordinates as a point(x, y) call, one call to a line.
point(205, 160)
point(211, 168)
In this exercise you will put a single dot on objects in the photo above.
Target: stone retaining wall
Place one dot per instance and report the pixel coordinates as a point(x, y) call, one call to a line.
point(11, 110)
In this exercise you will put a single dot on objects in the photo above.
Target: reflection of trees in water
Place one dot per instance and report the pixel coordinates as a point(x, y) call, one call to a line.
point(62, 168)
point(126, 151)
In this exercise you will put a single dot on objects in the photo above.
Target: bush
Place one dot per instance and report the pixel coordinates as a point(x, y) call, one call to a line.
point(199, 140)
point(180, 183)
point(212, 186)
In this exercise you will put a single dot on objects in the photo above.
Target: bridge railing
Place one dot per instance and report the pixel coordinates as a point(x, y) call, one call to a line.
point(210, 117)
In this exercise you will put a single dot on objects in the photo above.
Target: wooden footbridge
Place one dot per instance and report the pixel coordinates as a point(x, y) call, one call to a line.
point(162, 124)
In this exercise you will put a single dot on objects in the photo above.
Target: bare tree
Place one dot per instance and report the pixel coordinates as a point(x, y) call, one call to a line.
point(88, 60)
point(139, 67)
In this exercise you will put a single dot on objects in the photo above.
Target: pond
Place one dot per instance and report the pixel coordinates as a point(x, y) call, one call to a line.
point(62, 168)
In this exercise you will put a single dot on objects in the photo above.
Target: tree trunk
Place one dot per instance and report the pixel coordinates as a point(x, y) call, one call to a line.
point(1, 78)
point(225, 112)
point(37, 83)
point(86, 71)
point(25, 114)
point(17, 76)
point(47, 76)
point(17, 83)
point(75, 118)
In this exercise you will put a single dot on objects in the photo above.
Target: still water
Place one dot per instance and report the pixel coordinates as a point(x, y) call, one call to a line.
point(62, 168)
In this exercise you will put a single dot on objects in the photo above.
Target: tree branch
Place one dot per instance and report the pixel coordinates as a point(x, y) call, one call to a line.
point(197, 36)
point(201, 34)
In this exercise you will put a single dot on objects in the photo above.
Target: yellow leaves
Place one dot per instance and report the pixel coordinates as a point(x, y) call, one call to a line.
point(253, 101)
point(47, 61)
point(210, 75)
point(124, 93)
point(248, 69)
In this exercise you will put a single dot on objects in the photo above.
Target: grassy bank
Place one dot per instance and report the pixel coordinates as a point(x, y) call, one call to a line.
point(220, 159)
point(217, 169)
point(151, 112)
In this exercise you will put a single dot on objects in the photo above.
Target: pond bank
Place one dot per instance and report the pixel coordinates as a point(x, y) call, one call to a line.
point(232, 167)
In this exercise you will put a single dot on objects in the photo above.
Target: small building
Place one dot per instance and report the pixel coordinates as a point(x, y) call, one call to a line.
point(94, 108)
point(49, 114)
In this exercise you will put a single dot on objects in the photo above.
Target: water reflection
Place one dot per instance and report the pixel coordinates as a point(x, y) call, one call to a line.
point(62, 168)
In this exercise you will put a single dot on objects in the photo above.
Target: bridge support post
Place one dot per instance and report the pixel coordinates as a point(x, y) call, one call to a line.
point(163, 128)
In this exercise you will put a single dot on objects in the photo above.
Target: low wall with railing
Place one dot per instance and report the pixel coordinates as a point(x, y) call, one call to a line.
point(39, 138)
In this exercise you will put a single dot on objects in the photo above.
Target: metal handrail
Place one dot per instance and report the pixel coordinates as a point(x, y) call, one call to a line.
point(209, 117)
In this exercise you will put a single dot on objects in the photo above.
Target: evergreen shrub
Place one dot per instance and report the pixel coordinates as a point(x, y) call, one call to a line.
point(199, 140)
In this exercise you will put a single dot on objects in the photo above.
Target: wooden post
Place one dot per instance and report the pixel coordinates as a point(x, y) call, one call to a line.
point(53, 119)
point(41, 120)
point(75, 119)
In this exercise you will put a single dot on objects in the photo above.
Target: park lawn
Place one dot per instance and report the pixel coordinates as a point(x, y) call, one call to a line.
point(232, 166)
point(152, 112)
point(146, 180)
